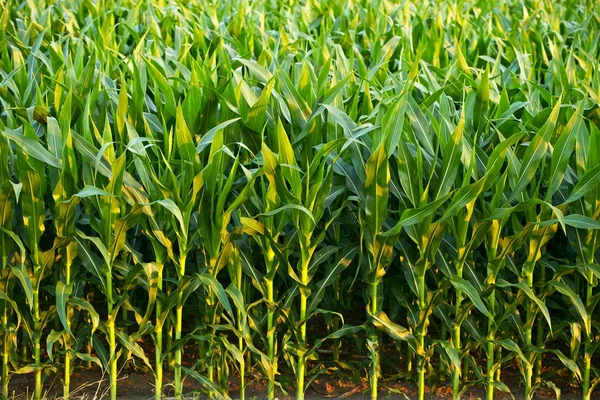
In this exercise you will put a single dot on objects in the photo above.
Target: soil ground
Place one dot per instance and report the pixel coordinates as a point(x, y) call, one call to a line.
point(347, 380)
point(135, 385)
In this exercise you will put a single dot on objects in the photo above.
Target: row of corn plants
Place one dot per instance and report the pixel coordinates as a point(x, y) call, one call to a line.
point(242, 190)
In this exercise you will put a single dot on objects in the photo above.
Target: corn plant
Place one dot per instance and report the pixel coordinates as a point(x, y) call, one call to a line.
point(31, 174)
point(265, 230)
point(217, 176)
point(585, 241)
point(9, 241)
point(66, 200)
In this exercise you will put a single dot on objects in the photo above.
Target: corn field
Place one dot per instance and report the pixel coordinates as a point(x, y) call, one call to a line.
point(265, 189)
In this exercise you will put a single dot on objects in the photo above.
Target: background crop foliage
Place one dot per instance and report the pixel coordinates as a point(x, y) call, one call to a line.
point(274, 185)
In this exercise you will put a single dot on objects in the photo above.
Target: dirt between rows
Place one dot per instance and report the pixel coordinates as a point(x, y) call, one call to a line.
point(92, 385)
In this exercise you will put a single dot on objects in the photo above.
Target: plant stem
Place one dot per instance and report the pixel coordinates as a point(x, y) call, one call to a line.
point(36, 344)
point(212, 321)
point(539, 334)
point(587, 357)
point(158, 380)
point(169, 330)
point(374, 372)
point(456, 336)
point(337, 343)
point(492, 251)
point(5, 349)
point(67, 378)
point(409, 359)
point(490, 348)
point(5, 352)
point(421, 336)
point(528, 334)
point(112, 361)
point(336, 294)
point(270, 264)
point(443, 337)
point(178, 327)
point(241, 339)
point(271, 340)
point(303, 302)
point(498, 357)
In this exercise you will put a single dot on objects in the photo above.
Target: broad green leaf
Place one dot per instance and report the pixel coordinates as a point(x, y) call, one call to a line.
point(535, 151)
point(451, 161)
point(4, 297)
point(209, 136)
point(529, 293)
point(562, 152)
point(34, 149)
point(588, 182)
point(63, 292)
point(510, 345)
point(383, 322)
point(290, 207)
point(214, 390)
point(464, 286)
point(346, 257)
point(376, 190)
point(575, 300)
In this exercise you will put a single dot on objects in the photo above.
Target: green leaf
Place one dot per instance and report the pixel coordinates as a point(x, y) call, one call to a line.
point(393, 121)
point(20, 271)
point(295, 101)
point(215, 391)
point(464, 286)
point(217, 288)
point(173, 209)
point(89, 191)
point(51, 339)
point(164, 87)
point(529, 293)
point(88, 358)
point(451, 161)
point(330, 275)
point(23, 276)
point(14, 306)
point(408, 173)
point(376, 190)
point(91, 261)
point(453, 355)
point(63, 292)
point(576, 301)
point(415, 215)
point(510, 345)
point(288, 207)
point(34, 149)
point(574, 220)
point(536, 150)
point(562, 152)
point(84, 305)
point(132, 346)
point(184, 141)
point(209, 136)
point(566, 361)
point(462, 197)
point(263, 74)
point(588, 182)
point(383, 322)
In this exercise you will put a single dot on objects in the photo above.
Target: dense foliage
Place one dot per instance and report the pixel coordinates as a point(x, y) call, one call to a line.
point(268, 179)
